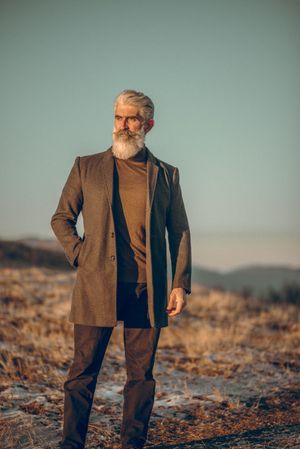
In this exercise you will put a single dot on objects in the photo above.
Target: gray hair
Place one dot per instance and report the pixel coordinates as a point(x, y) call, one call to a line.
point(138, 99)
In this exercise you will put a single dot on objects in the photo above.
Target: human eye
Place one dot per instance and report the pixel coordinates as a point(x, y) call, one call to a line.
point(133, 119)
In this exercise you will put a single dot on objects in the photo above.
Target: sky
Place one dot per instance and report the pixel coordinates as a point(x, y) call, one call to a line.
point(224, 79)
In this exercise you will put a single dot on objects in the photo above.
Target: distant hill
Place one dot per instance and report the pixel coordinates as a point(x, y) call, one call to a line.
point(257, 279)
point(51, 244)
point(20, 254)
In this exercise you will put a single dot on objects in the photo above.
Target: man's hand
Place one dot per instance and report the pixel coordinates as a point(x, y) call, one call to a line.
point(176, 301)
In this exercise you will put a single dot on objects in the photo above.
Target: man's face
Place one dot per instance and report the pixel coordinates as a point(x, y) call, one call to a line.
point(129, 130)
point(128, 117)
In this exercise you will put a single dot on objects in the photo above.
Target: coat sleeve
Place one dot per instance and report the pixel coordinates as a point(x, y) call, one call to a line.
point(64, 220)
point(179, 238)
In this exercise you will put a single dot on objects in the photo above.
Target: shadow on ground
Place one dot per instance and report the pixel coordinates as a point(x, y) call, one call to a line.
point(272, 436)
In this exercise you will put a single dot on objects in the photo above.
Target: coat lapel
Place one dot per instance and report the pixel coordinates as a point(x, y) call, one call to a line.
point(152, 172)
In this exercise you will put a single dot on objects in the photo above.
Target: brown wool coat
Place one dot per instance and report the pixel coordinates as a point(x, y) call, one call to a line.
point(89, 189)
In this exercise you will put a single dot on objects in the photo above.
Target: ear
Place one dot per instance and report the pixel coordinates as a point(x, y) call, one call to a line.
point(149, 125)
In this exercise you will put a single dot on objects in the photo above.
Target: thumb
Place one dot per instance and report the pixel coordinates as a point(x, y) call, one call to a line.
point(171, 303)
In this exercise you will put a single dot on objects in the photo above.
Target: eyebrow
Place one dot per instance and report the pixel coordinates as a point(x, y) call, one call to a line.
point(128, 116)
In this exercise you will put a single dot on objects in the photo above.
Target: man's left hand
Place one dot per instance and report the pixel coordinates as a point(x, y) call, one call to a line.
point(176, 301)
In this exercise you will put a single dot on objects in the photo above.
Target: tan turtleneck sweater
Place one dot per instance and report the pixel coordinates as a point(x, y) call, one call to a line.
point(130, 190)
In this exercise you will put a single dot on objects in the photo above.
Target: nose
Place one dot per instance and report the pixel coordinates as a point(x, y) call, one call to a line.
point(125, 123)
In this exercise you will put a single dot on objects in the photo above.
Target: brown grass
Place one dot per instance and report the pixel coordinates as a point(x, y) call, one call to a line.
point(227, 370)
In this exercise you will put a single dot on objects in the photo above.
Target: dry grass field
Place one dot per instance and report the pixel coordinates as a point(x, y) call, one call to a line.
point(227, 370)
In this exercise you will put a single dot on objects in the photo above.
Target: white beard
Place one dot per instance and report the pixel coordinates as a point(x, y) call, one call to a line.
point(127, 144)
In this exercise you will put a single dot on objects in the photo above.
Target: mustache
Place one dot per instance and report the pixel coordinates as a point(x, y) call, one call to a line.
point(127, 132)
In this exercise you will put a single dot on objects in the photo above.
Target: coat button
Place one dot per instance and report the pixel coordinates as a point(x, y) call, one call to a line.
point(112, 257)
point(112, 234)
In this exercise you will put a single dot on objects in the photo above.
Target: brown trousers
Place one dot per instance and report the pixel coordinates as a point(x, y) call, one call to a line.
point(90, 343)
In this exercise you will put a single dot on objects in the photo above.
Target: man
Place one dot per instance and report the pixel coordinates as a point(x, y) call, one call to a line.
point(128, 197)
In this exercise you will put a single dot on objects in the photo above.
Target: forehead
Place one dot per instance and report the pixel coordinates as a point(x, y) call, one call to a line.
point(124, 109)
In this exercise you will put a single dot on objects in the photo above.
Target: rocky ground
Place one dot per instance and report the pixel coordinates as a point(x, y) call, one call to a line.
point(226, 370)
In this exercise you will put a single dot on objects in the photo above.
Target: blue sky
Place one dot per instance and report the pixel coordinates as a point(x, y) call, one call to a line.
point(224, 78)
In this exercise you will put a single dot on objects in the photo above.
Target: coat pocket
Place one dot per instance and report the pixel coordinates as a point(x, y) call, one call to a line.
point(82, 253)
point(89, 256)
